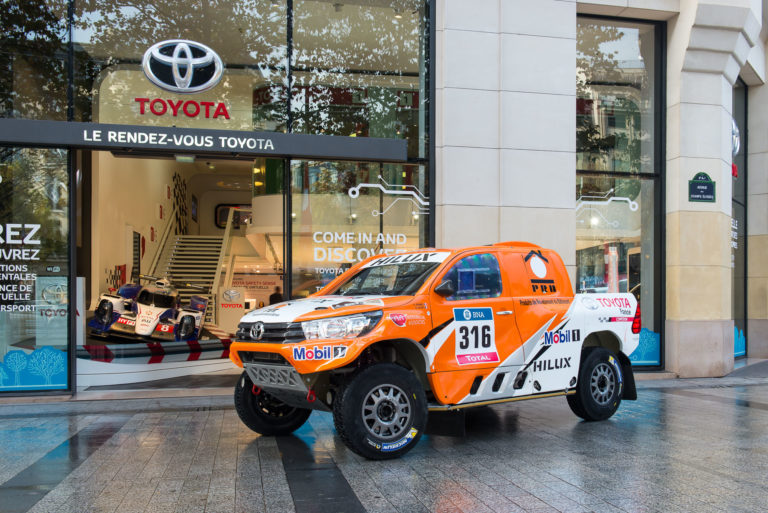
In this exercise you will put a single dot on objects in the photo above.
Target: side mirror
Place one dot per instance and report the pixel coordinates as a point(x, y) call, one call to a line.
point(445, 289)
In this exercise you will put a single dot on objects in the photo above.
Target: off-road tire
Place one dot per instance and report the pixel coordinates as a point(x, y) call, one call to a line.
point(384, 397)
point(600, 386)
point(265, 414)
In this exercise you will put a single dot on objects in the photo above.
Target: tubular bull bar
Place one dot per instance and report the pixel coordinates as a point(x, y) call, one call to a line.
point(284, 383)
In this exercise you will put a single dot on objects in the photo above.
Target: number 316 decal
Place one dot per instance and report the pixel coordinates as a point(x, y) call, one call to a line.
point(475, 337)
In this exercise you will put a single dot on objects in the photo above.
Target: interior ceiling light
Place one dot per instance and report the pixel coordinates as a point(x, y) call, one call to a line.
point(398, 12)
point(187, 159)
point(258, 184)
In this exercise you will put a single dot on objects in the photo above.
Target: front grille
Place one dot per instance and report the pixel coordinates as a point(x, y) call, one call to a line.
point(274, 332)
point(270, 376)
point(262, 357)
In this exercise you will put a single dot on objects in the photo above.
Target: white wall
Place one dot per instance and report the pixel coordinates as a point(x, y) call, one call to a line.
point(126, 196)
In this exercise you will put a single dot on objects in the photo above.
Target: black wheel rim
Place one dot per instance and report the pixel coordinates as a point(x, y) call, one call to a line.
point(270, 406)
point(602, 383)
point(387, 412)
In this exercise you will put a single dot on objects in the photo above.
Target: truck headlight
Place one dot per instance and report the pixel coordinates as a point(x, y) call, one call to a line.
point(349, 326)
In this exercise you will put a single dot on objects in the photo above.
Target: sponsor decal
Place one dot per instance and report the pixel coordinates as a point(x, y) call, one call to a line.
point(436, 257)
point(393, 446)
point(619, 302)
point(127, 322)
point(617, 367)
point(398, 318)
point(561, 337)
point(545, 301)
point(548, 365)
point(536, 262)
point(475, 336)
point(164, 328)
point(182, 66)
point(589, 303)
point(615, 319)
point(319, 353)
point(543, 286)
point(232, 305)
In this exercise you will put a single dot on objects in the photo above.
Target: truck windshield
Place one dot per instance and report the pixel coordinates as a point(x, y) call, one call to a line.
point(387, 280)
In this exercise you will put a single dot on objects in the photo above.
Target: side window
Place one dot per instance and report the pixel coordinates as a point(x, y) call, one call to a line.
point(475, 277)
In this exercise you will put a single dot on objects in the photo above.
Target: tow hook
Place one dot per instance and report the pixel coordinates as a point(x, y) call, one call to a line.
point(311, 396)
point(255, 390)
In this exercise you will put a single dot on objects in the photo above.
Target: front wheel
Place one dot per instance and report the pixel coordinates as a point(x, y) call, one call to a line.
point(264, 413)
point(600, 387)
point(382, 412)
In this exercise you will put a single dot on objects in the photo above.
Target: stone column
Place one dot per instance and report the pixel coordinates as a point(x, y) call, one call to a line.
point(708, 45)
point(505, 134)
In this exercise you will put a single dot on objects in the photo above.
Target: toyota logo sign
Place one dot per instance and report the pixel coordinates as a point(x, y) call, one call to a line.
point(182, 66)
point(231, 295)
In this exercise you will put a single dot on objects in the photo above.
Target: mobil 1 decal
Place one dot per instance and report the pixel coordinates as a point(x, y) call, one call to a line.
point(475, 336)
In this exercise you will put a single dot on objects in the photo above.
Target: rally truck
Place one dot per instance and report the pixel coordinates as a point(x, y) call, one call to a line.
point(399, 336)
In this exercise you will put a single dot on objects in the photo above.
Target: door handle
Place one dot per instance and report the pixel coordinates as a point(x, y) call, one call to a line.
point(505, 312)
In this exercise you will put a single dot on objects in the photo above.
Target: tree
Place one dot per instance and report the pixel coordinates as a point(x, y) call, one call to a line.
point(33, 54)
point(3, 376)
point(16, 361)
point(47, 362)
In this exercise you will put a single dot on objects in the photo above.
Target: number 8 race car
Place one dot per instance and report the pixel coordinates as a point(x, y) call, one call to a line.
point(148, 312)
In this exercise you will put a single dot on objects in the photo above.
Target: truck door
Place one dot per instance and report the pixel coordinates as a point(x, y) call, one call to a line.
point(475, 331)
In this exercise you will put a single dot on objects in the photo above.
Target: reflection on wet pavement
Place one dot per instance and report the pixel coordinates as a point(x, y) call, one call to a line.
point(675, 449)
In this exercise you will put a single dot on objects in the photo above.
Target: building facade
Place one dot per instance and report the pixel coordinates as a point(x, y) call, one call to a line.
point(301, 136)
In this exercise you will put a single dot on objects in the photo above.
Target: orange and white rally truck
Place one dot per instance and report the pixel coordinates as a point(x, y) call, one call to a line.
point(398, 336)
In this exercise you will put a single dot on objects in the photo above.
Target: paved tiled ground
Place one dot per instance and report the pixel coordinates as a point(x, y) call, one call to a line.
point(695, 446)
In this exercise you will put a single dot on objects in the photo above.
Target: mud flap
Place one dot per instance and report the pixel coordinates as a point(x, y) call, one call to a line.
point(630, 392)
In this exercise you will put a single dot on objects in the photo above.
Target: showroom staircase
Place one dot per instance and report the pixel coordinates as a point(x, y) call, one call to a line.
point(190, 262)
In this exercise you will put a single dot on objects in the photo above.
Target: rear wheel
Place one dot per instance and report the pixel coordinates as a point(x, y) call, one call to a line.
point(382, 412)
point(264, 413)
point(600, 387)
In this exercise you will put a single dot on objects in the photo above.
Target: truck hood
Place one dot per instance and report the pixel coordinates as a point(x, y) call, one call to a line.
point(317, 307)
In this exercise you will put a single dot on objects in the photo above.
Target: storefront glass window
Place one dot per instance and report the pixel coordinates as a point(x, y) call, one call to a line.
point(739, 219)
point(344, 212)
point(34, 269)
point(615, 96)
point(359, 70)
point(33, 57)
point(111, 37)
point(617, 185)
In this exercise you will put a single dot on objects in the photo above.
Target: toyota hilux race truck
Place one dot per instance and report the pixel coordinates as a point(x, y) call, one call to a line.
point(398, 336)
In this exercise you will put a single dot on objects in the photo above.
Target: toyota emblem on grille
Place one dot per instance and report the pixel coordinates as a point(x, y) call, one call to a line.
point(182, 66)
point(257, 331)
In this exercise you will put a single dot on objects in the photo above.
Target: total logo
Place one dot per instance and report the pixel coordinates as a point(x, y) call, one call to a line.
point(561, 337)
point(319, 353)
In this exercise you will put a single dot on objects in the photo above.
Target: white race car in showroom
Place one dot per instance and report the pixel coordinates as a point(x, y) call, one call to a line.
point(151, 311)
